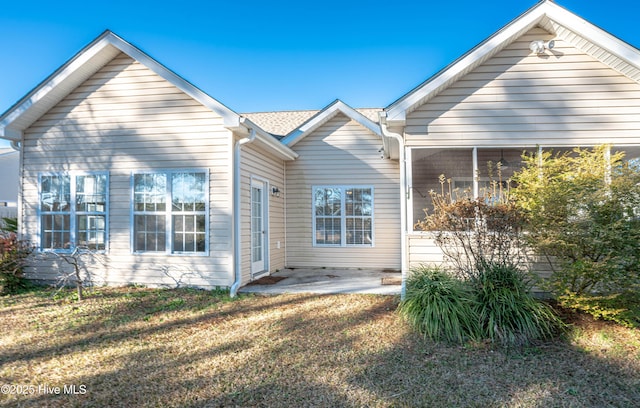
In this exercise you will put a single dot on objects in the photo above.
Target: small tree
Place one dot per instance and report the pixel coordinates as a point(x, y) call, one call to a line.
point(583, 215)
point(80, 276)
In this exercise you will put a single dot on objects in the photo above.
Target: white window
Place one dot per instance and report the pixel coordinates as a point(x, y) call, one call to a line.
point(170, 212)
point(342, 216)
point(73, 211)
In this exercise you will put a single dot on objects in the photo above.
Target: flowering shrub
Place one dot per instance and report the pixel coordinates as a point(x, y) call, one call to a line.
point(13, 254)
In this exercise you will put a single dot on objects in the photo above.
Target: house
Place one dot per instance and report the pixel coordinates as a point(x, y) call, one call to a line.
point(9, 163)
point(122, 155)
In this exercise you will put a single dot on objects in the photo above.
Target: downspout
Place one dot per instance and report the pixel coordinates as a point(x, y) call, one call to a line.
point(403, 198)
point(237, 218)
point(17, 145)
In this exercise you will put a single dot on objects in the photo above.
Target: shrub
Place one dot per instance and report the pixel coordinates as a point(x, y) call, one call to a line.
point(13, 254)
point(9, 224)
point(472, 231)
point(583, 214)
point(439, 306)
point(509, 314)
point(622, 308)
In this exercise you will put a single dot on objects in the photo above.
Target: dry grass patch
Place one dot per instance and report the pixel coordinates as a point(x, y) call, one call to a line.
point(188, 348)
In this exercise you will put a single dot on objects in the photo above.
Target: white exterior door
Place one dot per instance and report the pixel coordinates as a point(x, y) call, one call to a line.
point(259, 226)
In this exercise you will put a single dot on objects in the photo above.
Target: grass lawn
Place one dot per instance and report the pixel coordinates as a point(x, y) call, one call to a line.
point(133, 347)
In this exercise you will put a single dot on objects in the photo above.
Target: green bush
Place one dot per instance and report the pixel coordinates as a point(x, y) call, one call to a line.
point(496, 305)
point(9, 224)
point(439, 306)
point(509, 314)
point(13, 254)
point(622, 308)
point(583, 212)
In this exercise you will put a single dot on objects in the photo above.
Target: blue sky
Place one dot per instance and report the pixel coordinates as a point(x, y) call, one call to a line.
point(276, 55)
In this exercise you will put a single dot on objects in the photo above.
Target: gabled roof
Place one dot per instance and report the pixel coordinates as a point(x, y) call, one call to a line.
point(91, 59)
point(78, 69)
point(281, 123)
point(546, 14)
point(324, 116)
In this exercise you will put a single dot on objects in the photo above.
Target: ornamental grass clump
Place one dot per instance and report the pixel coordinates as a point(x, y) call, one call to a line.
point(509, 314)
point(440, 306)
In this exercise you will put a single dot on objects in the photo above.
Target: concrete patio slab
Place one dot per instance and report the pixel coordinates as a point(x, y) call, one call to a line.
point(328, 281)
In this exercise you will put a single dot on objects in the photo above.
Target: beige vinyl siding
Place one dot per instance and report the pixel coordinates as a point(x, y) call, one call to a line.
point(258, 163)
point(423, 251)
point(516, 98)
point(342, 152)
point(126, 119)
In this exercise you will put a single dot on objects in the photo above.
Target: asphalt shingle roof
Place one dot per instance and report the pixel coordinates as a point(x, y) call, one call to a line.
point(280, 124)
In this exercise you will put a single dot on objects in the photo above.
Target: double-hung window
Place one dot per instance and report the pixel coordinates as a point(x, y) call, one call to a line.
point(73, 211)
point(170, 211)
point(342, 216)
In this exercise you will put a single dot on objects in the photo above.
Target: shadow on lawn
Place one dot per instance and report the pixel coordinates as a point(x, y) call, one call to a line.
point(328, 351)
point(112, 326)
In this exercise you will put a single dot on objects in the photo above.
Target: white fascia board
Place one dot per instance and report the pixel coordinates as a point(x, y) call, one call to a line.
point(72, 74)
point(229, 116)
point(38, 94)
point(10, 134)
point(324, 116)
point(398, 110)
point(396, 113)
point(594, 34)
point(276, 146)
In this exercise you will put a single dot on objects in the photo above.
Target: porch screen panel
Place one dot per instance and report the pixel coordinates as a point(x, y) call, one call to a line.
point(428, 165)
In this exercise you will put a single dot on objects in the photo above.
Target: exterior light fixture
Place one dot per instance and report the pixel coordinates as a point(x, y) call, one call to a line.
point(539, 46)
point(275, 191)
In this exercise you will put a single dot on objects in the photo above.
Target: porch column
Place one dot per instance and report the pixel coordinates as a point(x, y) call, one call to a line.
point(476, 189)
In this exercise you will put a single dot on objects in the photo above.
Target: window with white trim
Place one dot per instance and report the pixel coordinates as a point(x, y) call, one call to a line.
point(342, 216)
point(73, 211)
point(170, 211)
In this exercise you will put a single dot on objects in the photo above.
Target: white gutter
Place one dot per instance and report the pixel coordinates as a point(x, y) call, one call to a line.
point(237, 219)
point(403, 199)
point(16, 145)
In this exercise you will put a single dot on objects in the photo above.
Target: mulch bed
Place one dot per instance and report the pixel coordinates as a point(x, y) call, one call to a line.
point(267, 280)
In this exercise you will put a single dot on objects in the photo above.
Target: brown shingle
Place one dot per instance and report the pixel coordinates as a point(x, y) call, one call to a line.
point(282, 123)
